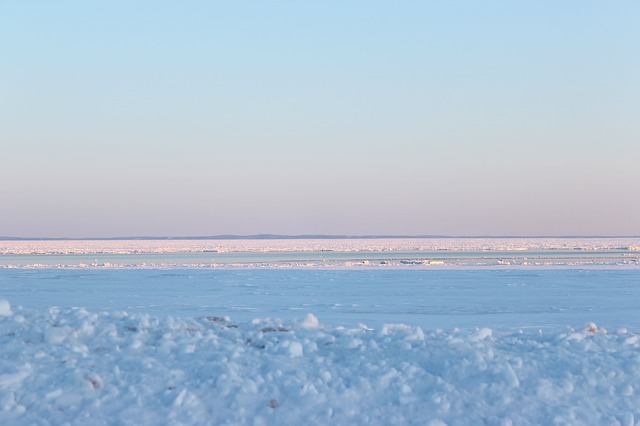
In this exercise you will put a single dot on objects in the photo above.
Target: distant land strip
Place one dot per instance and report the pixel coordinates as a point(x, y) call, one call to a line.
point(298, 237)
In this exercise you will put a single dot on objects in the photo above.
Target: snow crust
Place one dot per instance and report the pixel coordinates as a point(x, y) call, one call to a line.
point(74, 366)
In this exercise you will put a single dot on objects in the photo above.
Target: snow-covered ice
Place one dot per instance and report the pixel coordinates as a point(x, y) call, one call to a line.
point(549, 299)
point(347, 343)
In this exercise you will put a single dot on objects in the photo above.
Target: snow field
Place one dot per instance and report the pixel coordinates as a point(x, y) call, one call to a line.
point(69, 365)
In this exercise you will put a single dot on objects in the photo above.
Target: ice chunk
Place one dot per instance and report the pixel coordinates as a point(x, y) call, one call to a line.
point(5, 308)
point(295, 349)
point(311, 321)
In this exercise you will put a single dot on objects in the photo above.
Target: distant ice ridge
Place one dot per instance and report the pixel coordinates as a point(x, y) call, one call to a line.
point(75, 366)
point(324, 253)
point(314, 245)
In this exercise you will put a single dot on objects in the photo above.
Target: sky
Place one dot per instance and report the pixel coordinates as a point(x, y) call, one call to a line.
point(164, 118)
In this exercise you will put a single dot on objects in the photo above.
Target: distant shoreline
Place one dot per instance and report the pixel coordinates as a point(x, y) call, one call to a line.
point(299, 237)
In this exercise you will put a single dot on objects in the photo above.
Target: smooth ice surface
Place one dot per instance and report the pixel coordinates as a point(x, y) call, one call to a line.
point(500, 299)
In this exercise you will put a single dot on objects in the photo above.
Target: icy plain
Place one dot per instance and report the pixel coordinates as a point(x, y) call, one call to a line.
point(470, 331)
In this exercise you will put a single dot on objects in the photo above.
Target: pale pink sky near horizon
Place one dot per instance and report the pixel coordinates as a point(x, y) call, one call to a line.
point(365, 118)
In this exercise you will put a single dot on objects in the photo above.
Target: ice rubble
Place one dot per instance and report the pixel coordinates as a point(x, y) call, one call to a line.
point(322, 253)
point(35, 247)
point(72, 365)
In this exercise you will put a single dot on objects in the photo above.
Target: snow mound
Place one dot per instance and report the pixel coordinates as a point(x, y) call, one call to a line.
point(62, 366)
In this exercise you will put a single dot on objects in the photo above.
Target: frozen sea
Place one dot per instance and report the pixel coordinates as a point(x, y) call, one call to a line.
point(503, 300)
point(504, 284)
point(362, 331)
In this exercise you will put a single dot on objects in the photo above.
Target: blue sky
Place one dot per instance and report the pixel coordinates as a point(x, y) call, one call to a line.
point(328, 117)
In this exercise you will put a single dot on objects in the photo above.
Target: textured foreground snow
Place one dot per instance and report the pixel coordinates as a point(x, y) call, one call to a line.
point(80, 367)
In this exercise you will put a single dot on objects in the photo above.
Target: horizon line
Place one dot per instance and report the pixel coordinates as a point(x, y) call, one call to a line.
point(294, 237)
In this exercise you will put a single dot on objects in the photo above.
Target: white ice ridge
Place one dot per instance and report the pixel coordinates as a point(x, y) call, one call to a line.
point(314, 245)
point(74, 366)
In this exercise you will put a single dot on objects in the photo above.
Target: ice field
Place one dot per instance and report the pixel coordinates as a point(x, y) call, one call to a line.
point(507, 300)
point(434, 331)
